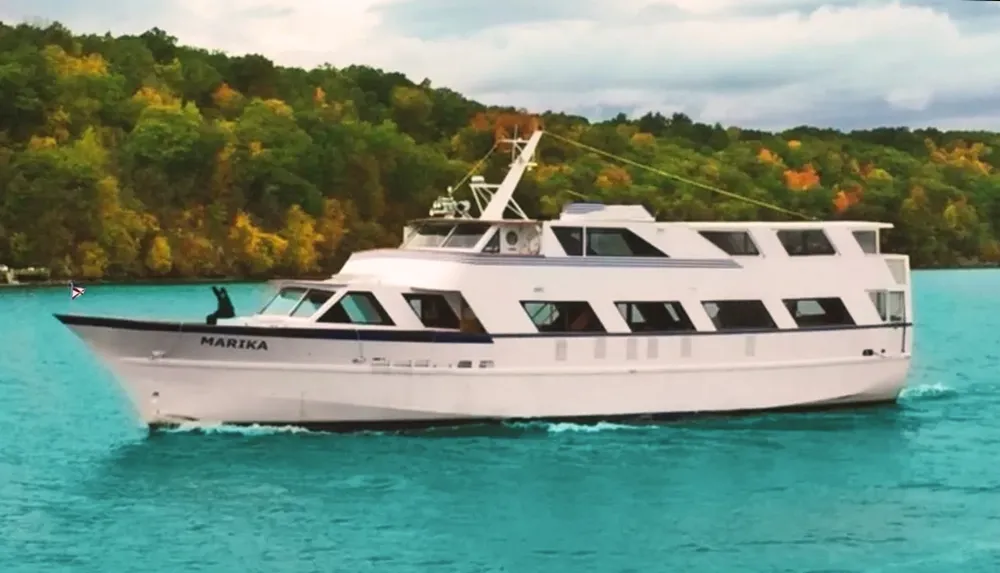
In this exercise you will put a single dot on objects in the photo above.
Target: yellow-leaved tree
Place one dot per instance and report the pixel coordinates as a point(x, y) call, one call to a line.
point(254, 251)
point(301, 256)
point(91, 260)
point(159, 258)
point(331, 228)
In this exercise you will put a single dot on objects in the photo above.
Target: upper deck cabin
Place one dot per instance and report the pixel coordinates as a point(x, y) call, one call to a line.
point(587, 229)
point(393, 295)
point(427, 282)
point(597, 230)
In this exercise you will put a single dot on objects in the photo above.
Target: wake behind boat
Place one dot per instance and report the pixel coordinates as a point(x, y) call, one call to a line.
point(603, 313)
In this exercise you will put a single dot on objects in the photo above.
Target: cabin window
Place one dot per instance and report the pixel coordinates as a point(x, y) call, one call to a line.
point(493, 245)
point(734, 243)
point(739, 315)
point(571, 240)
point(891, 305)
point(805, 242)
point(819, 311)
point(568, 316)
point(867, 240)
point(655, 316)
point(438, 310)
point(433, 310)
point(284, 302)
point(312, 302)
point(468, 320)
point(466, 235)
point(612, 242)
point(429, 235)
point(357, 307)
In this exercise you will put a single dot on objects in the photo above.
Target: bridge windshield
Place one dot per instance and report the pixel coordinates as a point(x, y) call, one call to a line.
point(297, 302)
point(446, 234)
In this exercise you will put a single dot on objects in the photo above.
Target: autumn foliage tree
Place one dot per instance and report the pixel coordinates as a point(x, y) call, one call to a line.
point(133, 156)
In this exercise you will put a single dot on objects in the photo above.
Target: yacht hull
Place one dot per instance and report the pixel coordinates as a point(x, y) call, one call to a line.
point(177, 374)
point(367, 400)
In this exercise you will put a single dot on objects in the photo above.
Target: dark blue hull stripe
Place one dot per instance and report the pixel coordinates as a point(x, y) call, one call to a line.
point(400, 335)
point(365, 335)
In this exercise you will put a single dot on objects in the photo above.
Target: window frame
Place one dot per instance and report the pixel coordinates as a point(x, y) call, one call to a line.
point(791, 304)
point(492, 246)
point(329, 295)
point(464, 225)
point(875, 241)
point(595, 326)
point(719, 234)
point(780, 233)
point(270, 301)
point(684, 319)
point(418, 234)
point(411, 297)
point(631, 239)
point(559, 230)
point(883, 310)
point(720, 305)
point(372, 299)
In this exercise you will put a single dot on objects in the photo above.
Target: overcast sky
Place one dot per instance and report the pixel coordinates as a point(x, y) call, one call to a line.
point(753, 63)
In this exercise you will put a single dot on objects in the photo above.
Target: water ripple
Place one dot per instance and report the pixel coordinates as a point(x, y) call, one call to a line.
point(911, 488)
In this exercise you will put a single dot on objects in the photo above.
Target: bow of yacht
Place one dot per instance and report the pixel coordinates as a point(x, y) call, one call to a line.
point(603, 313)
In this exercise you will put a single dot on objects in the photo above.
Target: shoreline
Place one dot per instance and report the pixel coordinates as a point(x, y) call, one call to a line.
point(247, 280)
point(138, 282)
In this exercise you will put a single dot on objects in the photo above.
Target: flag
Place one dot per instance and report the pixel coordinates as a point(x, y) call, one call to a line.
point(75, 291)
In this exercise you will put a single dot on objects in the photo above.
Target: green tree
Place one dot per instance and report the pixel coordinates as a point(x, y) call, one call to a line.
point(137, 156)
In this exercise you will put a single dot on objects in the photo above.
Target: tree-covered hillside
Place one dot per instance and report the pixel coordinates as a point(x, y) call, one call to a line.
point(133, 156)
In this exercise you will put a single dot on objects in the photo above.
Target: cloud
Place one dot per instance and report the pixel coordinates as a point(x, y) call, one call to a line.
point(441, 19)
point(755, 63)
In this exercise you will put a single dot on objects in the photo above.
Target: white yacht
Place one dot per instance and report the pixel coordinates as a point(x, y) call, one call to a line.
point(601, 314)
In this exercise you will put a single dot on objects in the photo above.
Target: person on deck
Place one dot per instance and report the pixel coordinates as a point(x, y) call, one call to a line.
point(224, 307)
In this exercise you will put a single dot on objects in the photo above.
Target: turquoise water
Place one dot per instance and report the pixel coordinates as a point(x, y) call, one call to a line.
point(914, 488)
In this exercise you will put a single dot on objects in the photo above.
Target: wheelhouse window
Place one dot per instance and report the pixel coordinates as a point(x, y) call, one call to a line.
point(571, 240)
point(615, 242)
point(446, 234)
point(284, 301)
point(429, 235)
point(433, 310)
point(357, 307)
point(493, 245)
point(867, 240)
point(806, 242)
point(466, 235)
point(655, 316)
point(312, 302)
point(566, 316)
point(819, 312)
point(739, 315)
point(734, 243)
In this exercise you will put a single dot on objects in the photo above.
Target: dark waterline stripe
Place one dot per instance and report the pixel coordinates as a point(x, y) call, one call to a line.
point(488, 424)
